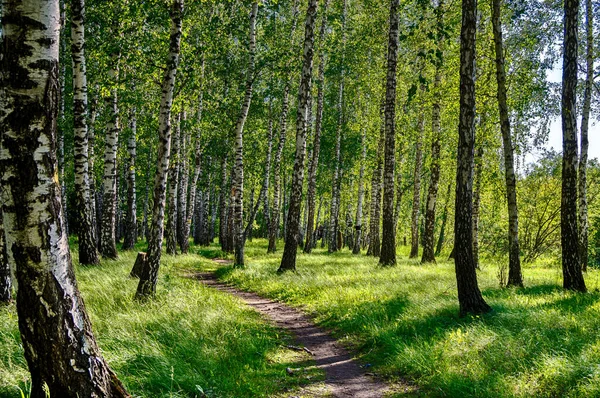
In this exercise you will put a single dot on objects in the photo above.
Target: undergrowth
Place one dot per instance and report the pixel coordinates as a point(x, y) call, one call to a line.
point(190, 341)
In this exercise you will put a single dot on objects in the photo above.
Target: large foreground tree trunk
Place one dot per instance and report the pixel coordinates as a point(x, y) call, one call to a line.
point(237, 188)
point(288, 260)
point(585, 121)
point(58, 342)
point(131, 215)
point(515, 277)
point(388, 244)
point(571, 258)
point(147, 285)
point(88, 254)
point(469, 295)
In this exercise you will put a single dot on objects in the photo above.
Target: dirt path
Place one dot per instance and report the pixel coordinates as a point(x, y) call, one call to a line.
point(343, 376)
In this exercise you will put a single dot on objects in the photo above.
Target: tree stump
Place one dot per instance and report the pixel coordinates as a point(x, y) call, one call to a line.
point(138, 267)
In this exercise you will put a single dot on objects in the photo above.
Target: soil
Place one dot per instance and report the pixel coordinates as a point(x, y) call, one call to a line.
point(344, 376)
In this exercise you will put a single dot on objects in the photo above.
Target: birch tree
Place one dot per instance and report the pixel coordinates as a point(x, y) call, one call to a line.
point(570, 241)
point(469, 296)
point(131, 215)
point(388, 244)
point(149, 277)
point(585, 122)
point(59, 345)
point(108, 247)
point(515, 277)
point(288, 260)
point(314, 161)
point(237, 188)
point(88, 254)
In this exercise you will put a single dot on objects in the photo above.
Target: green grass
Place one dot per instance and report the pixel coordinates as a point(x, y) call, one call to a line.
point(540, 341)
point(189, 340)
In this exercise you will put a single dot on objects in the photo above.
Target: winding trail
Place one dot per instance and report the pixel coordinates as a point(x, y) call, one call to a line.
point(343, 375)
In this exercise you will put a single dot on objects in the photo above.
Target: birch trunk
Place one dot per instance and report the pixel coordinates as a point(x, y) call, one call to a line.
point(361, 194)
point(5, 275)
point(277, 191)
point(88, 254)
point(92, 174)
point(416, 205)
point(477, 204)
point(108, 247)
point(173, 179)
point(59, 345)
point(570, 239)
point(223, 205)
point(441, 239)
point(374, 248)
point(388, 245)
point(61, 114)
point(148, 280)
point(314, 161)
point(428, 236)
point(288, 260)
point(585, 121)
point(469, 296)
point(335, 194)
point(515, 278)
point(182, 188)
point(264, 189)
point(131, 215)
point(191, 200)
point(237, 188)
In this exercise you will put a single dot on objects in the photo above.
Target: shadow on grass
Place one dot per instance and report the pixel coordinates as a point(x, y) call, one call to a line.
point(244, 361)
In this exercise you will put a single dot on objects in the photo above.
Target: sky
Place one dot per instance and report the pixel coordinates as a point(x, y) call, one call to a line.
point(555, 136)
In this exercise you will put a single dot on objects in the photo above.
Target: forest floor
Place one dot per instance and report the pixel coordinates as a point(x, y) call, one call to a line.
point(539, 341)
point(190, 341)
point(344, 377)
point(402, 323)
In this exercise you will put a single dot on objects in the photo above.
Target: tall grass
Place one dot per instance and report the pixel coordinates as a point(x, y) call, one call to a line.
point(191, 341)
point(540, 341)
